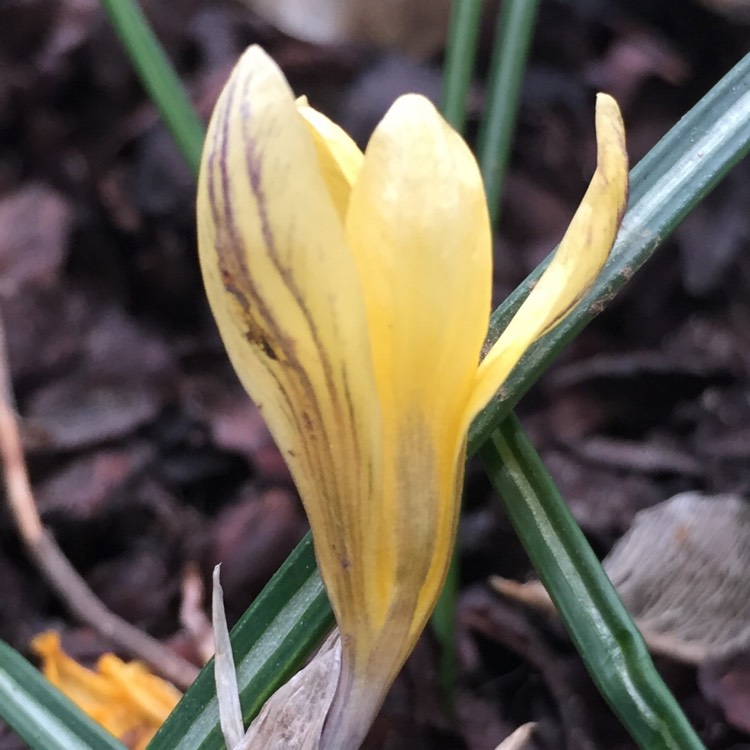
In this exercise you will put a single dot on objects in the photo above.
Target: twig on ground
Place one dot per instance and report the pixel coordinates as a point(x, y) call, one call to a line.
point(192, 617)
point(51, 561)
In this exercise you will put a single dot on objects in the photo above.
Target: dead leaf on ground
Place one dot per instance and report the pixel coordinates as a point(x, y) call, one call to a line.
point(681, 571)
point(35, 223)
point(72, 414)
point(646, 457)
point(82, 488)
point(727, 683)
point(135, 585)
point(586, 483)
point(43, 326)
point(712, 237)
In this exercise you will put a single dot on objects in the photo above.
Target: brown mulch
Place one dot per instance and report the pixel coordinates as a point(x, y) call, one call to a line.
point(147, 457)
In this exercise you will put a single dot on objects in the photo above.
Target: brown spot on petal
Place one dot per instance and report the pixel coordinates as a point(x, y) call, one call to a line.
point(267, 349)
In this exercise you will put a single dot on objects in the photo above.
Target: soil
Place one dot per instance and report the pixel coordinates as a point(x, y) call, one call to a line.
point(147, 458)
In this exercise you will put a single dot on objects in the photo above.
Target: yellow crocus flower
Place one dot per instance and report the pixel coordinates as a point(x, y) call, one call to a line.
point(352, 292)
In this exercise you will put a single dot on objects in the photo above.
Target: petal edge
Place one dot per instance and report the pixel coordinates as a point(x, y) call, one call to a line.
point(579, 258)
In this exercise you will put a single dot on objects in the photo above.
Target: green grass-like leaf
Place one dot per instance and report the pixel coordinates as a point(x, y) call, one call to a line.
point(158, 77)
point(602, 630)
point(41, 715)
point(515, 25)
point(460, 56)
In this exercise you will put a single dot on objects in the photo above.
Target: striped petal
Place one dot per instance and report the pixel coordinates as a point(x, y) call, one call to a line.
point(287, 300)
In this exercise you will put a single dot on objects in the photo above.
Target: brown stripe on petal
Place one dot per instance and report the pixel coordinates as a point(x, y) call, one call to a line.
point(361, 463)
point(334, 513)
point(239, 283)
point(235, 274)
point(244, 289)
point(254, 171)
point(255, 179)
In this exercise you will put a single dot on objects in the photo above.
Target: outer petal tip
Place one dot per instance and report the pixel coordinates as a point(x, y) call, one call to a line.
point(580, 256)
point(606, 106)
point(612, 157)
point(255, 60)
point(412, 106)
point(418, 228)
point(339, 156)
point(255, 55)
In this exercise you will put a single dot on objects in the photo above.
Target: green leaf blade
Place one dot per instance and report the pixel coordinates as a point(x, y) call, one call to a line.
point(158, 77)
point(598, 623)
point(40, 714)
point(515, 27)
point(460, 57)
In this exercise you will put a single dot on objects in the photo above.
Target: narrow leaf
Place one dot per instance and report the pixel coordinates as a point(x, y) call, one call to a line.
point(41, 715)
point(602, 631)
point(158, 77)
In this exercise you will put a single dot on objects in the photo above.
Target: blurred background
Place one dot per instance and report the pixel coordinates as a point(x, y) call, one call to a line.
point(150, 464)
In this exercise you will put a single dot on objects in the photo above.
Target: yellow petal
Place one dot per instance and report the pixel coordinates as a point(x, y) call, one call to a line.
point(125, 698)
point(339, 156)
point(578, 260)
point(418, 228)
point(419, 231)
point(152, 697)
point(286, 296)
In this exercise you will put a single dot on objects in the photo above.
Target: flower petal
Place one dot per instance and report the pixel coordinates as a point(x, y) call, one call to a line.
point(578, 260)
point(419, 231)
point(339, 156)
point(125, 698)
point(418, 228)
point(287, 299)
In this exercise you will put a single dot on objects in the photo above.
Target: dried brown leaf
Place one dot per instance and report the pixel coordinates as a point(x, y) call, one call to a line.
point(35, 222)
point(294, 715)
point(681, 571)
